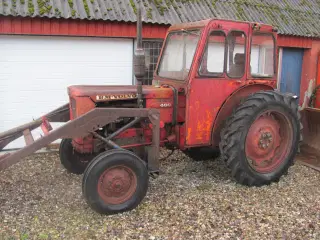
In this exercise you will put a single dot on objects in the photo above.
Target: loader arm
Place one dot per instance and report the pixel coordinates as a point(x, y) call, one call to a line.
point(310, 147)
point(60, 114)
point(79, 127)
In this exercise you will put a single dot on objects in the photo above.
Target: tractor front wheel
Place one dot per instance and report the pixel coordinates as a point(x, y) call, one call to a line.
point(72, 160)
point(115, 181)
point(260, 140)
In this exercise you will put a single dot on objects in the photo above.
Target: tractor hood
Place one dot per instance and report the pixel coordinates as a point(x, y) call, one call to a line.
point(109, 93)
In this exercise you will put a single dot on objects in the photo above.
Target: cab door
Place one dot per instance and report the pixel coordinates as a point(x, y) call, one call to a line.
point(219, 69)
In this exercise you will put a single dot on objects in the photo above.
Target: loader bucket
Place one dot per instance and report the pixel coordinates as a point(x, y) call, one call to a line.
point(310, 147)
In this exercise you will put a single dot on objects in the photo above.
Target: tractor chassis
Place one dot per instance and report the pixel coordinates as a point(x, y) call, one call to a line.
point(80, 127)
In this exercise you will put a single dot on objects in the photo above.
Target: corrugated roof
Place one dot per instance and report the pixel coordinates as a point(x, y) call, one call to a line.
point(292, 17)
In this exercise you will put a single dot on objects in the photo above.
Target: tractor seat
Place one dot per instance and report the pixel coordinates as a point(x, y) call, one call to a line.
point(237, 69)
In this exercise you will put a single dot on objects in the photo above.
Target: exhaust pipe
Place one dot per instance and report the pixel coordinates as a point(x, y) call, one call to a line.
point(139, 59)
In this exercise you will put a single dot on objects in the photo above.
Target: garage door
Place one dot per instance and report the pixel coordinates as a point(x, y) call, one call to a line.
point(35, 72)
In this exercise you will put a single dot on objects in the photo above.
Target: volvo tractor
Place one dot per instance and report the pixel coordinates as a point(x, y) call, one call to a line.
point(214, 88)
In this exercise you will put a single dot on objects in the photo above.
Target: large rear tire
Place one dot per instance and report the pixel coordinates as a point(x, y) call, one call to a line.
point(260, 139)
point(115, 181)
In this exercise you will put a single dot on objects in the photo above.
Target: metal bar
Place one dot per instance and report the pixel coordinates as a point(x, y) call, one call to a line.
point(28, 137)
point(79, 127)
point(125, 127)
point(139, 60)
point(108, 142)
point(139, 28)
point(153, 156)
point(141, 144)
point(31, 125)
point(60, 114)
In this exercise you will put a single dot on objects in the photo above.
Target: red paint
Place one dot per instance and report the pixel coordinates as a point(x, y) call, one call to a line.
point(266, 146)
point(309, 71)
point(206, 95)
point(83, 145)
point(202, 102)
point(63, 27)
point(297, 42)
point(230, 103)
point(117, 184)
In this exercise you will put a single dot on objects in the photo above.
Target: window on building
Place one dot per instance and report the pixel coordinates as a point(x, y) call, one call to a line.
point(212, 63)
point(262, 55)
point(236, 54)
point(152, 51)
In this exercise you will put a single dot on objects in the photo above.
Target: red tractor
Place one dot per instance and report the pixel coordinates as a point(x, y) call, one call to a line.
point(213, 88)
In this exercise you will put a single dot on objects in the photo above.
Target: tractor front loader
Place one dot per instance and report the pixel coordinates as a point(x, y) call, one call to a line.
point(310, 148)
point(213, 88)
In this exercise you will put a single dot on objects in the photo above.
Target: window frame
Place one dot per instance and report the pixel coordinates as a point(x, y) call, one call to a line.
point(274, 55)
point(165, 46)
point(213, 75)
point(149, 78)
point(245, 53)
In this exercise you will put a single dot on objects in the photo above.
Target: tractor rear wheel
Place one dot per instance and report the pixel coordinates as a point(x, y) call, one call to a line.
point(115, 181)
point(72, 160)
point(260, 139)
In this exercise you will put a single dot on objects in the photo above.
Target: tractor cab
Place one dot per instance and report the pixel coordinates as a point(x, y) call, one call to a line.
point(213, 62)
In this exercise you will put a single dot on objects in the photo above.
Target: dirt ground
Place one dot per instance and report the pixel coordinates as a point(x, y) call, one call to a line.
point(191, 200)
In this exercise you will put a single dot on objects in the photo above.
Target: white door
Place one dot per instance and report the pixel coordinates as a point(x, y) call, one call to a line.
point(35, 72)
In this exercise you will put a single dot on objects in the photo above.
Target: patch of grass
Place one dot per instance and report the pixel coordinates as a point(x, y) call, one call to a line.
point(57, 12)
point(133, 5)
point(43, 236)
point(44, 6)
point(24, 236)
point(86, 8)
point(70, 2)
point(30, 8)
point(149, 13)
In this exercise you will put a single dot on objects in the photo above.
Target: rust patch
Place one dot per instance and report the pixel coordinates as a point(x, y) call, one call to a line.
point(208, 124)
point(199, 133)
point(188, 134)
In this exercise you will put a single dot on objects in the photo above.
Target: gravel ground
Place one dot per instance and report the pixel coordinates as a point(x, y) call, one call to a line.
point(191, 200)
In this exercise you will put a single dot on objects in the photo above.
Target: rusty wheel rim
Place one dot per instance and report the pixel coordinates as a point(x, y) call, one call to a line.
point(117, 184)
point(268, 141)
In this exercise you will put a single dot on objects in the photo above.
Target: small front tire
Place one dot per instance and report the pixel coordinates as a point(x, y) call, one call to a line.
point(115, 181)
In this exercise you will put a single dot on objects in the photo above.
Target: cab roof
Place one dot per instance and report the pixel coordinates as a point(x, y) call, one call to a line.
point(206, 22)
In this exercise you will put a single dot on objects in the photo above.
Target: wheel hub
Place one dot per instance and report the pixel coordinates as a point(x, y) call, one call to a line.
point(264, 143)
point(265, 140)
point(117, 184)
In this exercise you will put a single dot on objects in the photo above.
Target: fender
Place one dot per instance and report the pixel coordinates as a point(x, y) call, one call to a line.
point(229, 105)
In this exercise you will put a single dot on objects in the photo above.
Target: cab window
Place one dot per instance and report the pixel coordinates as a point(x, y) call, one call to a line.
point(178, 54)
point(212, 63)
point(262, 55)
point(236, 57)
